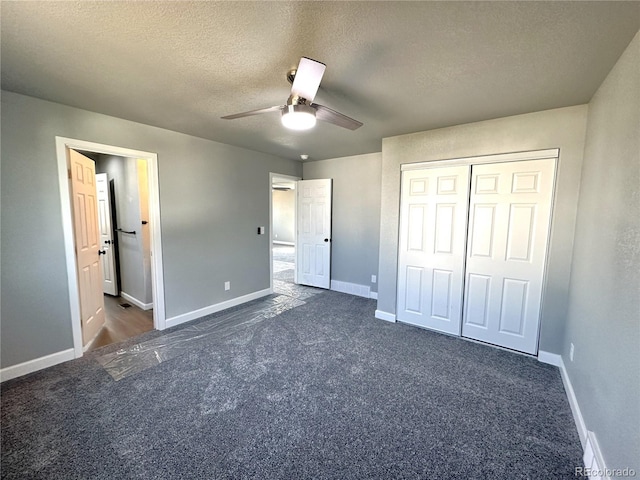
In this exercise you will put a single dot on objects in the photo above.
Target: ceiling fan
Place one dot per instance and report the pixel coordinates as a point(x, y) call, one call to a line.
point(300, 113)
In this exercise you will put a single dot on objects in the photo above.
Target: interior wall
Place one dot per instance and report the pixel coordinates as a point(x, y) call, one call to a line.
point(284, 207)
point(562, 128)
point(604, 300)
point(356, 214)
point(212, 199)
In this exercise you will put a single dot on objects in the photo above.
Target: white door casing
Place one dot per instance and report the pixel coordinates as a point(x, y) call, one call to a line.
point(87, 244)
point(313, 242)
point(109, 279)
point(509, 219)
point(432, 242)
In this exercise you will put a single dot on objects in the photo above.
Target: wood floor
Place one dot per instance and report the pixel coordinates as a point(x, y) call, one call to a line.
point(121, 323)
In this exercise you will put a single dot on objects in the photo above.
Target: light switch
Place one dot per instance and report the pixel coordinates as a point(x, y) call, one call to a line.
point(260, 230)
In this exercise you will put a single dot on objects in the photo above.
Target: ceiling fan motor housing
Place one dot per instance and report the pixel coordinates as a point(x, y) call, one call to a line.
point(298, 116)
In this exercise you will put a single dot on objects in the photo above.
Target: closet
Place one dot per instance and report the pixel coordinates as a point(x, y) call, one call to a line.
point(473, 243)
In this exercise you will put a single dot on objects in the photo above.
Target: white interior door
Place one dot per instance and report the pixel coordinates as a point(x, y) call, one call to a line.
point(87, 243)
point(109, 279)
point(313, 242)
point(433, 221)
point(510, 210)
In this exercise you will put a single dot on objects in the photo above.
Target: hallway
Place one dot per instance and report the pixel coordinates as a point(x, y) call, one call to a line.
point(121, 323)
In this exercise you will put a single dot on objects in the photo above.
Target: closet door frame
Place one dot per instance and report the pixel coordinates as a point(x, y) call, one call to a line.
point(497, 158)
point(553, 153)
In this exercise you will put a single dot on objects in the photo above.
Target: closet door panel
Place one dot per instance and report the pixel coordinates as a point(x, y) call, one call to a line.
point(510, 211)
point(433, 219)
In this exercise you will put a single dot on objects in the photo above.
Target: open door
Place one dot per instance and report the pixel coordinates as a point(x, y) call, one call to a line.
point(313, 238)
point(109, 278)
point(87, 242)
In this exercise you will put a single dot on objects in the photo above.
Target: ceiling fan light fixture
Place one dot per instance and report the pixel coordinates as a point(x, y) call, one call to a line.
point(298, 117)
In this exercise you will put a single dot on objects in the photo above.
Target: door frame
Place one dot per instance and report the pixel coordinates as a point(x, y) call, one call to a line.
point(273, 176)
point(63, 145)
point(495, 158)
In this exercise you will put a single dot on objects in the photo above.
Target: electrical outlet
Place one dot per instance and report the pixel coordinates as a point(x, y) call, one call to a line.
point(374, 279)
point(227, 285)
point(571, 349)
point(260, 230)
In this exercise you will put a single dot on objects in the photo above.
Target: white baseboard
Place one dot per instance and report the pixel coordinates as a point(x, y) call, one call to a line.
point(187, 317)
point(593, 459)
point(389, 317)
point(556, 360)
point(34, 365)
point(136, 302)
point(549, 358)
point(351, 288)
point(373, 295)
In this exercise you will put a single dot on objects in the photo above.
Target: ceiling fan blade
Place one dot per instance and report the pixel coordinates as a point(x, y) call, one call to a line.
point(331, 116)
point(307, 79)
point(253, 112)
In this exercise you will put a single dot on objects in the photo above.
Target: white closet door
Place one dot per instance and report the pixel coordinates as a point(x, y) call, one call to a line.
point(510, 209)
point(313, 240)
point(433, 222)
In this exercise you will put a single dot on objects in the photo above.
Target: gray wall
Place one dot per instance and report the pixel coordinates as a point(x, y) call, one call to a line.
point(561, 128)
point(356, 214)
point(212, 199)
point(284, 211)
point(133, 274)
point(604, 302)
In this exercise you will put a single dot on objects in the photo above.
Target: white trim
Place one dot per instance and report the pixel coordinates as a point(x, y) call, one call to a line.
point(389, 317)
point(593, 459)
point(351, 288)
point(62, 146)
point(573, 403)
point(549, 358)
point(272, 177)
point(187, 317)
point(497, 158)
point(373, 295)
point(36, 364)
point(592, 455)
point(135, 301)
point(556, 360)
point(289, 244)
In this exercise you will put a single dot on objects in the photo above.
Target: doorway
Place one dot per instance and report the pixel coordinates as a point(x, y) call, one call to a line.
point(282, 213)
point(154, 259)
point(123, 223)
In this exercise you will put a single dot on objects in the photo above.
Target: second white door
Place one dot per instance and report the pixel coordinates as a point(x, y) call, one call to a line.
point(313, 239)
point(109, 279)
point(509, 215)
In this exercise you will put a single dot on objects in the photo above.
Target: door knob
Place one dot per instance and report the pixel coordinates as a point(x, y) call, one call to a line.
point(107, 242)
point(326, 239)
point(102, 252)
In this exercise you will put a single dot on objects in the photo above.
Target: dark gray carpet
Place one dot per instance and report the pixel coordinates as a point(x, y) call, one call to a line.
point(323, 390)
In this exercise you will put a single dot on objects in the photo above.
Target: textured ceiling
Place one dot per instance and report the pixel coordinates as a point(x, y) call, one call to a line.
point(399, 67)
